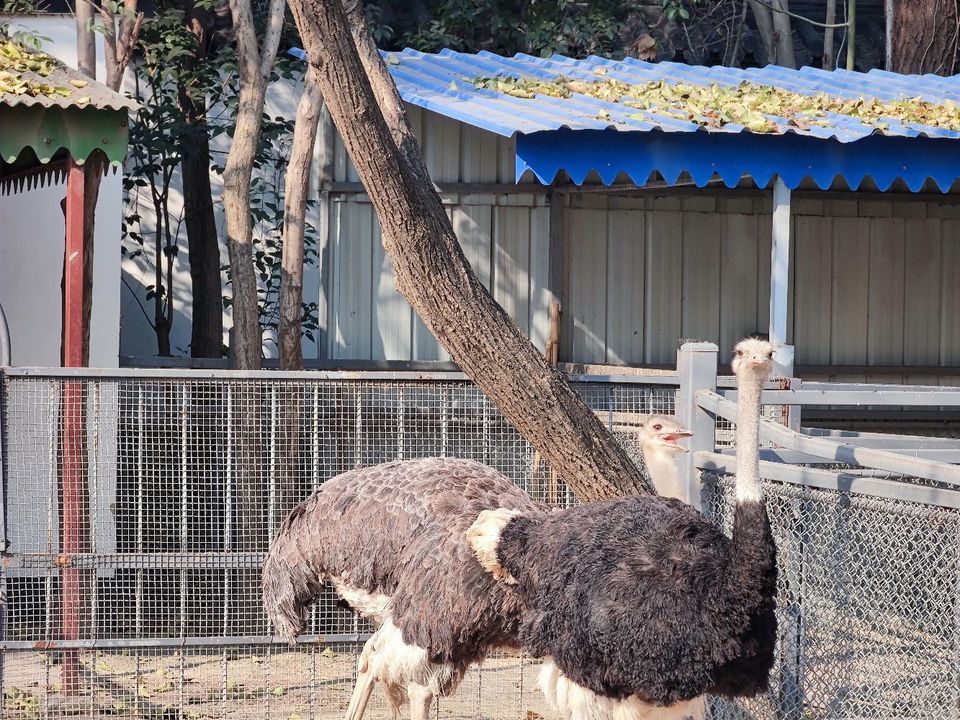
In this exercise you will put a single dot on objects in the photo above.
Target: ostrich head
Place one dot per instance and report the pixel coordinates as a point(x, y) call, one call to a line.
point(659, 434)
point(752, 357)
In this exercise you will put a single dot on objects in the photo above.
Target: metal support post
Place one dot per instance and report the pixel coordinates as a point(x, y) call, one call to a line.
point(697, 370)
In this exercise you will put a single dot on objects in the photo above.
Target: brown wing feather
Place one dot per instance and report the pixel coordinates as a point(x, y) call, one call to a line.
point(399, 529)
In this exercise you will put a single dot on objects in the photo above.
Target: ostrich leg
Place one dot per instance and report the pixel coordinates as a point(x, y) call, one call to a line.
point(365, 682)
point(420, 701)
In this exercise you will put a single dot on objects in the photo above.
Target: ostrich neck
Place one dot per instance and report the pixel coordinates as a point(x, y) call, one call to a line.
point(664, 473)
point(748, 438)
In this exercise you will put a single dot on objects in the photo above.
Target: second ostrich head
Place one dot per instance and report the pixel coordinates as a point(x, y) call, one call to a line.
point(659, 437)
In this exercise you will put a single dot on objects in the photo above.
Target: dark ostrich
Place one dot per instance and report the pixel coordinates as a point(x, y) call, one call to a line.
point(639, 606)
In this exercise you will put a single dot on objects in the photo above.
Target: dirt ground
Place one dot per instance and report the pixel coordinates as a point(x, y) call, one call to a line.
point(279, 684)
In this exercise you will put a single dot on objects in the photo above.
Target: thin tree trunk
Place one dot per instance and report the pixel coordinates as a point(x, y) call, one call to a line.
point(247, 336)
point(829, 62)
point(764, 19)
point(434, 276)
point(256, 64)
point(925, 36)
point(783, 34)
point(86, 41)
point(296, 185)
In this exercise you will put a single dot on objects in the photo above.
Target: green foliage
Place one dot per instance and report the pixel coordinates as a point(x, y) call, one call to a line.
point(678, 11)
point(21, 36)
point(171, 71)
point(541, 27)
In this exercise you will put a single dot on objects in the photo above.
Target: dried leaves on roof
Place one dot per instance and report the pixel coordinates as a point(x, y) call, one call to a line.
point(759, 108)
point(22, 72)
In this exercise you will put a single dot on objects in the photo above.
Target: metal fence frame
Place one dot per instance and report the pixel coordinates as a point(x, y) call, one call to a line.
point(870, 465)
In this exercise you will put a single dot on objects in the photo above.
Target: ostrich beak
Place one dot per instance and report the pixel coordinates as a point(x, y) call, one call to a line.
point(670, 438)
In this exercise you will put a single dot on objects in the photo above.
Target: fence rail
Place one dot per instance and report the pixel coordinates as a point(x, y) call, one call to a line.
point(187, 473)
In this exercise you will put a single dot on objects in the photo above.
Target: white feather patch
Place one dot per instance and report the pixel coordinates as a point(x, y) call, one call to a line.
point(575, 702)
point(484, 536)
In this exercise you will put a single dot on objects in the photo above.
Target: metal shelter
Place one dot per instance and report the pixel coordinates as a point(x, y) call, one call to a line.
point(583, 140)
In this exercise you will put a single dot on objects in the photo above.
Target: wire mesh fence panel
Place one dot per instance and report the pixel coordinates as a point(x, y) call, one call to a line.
point(867, 605)
point(138, 510)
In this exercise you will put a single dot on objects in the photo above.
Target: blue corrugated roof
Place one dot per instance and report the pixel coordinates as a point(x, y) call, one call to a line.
point(580, 134)
point(442, 83)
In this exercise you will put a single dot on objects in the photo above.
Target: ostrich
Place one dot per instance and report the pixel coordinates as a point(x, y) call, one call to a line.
point(658, 437)
point(638, 606)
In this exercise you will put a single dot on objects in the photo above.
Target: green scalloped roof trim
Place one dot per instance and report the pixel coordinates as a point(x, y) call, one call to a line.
point(79, 131)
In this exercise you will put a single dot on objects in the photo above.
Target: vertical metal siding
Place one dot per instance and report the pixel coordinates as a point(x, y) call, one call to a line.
point(872, 281)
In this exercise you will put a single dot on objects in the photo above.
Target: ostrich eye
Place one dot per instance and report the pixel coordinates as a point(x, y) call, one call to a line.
point(658, 426)
point(770, 354)
point(739, 353)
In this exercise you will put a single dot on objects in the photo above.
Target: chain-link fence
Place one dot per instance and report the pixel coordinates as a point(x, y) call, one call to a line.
point(132, 579)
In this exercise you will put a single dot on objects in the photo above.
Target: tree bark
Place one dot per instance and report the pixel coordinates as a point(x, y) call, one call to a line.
point(256, 64)
point(206, 333)
point(925, 37)
point(763, 16)
point(434, 276)
point(829, 61)
point(296, 185)
point(86, 41)
point(783, 34)
point(203, 243)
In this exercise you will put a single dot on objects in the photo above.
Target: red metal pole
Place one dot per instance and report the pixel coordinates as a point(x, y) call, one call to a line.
point(73, 475)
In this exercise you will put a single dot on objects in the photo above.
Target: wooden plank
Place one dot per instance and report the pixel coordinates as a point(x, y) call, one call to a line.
point(812, 289)
point(848, 330)
point(626, 257)
point(950, 289)
point(353, 283)
point(738, 280)
point(664, 285)
point(392, 321)
point(886, 302)
point(922, 283)
point(586, 306)
point(511, 263)
point(540, 294)
point(701, 277)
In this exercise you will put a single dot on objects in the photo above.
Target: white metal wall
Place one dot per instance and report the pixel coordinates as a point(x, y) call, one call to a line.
point(874, 281)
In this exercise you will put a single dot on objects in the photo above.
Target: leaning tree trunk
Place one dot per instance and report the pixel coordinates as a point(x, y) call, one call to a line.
point(925, 36)
point(434, 276)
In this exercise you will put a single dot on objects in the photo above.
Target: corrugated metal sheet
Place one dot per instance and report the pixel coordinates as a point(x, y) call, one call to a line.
point(442, 83)
point(91, 95)
point(592, 140)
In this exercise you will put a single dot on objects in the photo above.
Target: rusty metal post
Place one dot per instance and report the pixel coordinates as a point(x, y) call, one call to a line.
point(72, 478)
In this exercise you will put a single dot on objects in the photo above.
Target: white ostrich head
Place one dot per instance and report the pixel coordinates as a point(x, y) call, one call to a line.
point(753, 357)
point(660, 434)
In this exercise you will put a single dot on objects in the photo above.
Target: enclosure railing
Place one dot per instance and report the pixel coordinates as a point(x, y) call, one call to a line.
point(186, 474)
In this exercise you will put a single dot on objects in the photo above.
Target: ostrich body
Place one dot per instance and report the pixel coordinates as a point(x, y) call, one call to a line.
point(639, 606)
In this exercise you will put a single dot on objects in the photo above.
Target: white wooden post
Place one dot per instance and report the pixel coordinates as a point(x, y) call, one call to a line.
point(780, 288)
point(697, 370)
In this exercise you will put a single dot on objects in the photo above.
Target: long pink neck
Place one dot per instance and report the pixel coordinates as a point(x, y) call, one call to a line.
point(749, 387)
